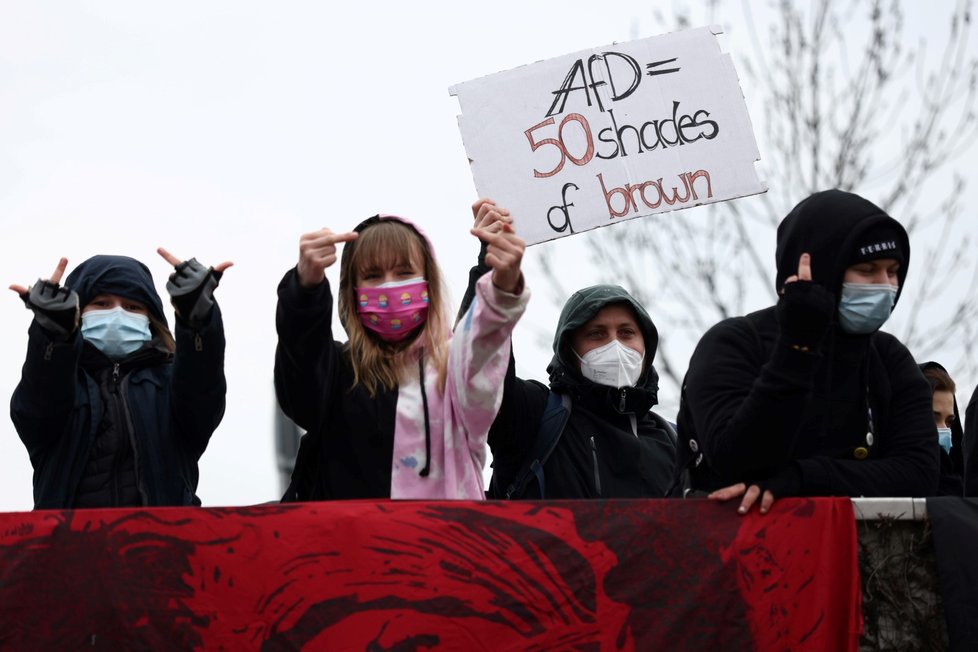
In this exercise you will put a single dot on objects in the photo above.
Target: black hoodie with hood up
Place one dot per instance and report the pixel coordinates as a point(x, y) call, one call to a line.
point(849, 415)
point(611, 446)
point(952, 464)
point(165, 407)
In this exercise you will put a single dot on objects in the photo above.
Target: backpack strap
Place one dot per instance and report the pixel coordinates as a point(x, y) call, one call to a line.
point(555, 417)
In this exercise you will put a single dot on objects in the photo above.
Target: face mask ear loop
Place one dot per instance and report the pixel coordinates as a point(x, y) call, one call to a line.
point(427, 424)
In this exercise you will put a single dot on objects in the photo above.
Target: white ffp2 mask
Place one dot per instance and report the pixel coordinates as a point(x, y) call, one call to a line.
point(612, 364)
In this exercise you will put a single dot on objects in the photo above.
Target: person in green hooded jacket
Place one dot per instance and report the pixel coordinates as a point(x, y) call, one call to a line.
point(608, 443)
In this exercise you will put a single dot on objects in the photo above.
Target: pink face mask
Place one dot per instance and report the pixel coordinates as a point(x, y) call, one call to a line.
point(394, 310)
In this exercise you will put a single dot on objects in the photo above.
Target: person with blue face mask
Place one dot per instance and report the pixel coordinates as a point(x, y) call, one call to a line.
point(113, 409)
point(809, 397)
point(950, 434)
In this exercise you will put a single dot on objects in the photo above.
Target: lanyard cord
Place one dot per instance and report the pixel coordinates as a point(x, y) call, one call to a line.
point(427, 425)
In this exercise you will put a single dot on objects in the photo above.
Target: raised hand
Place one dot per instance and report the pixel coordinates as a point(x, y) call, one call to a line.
point(804, 270)
point(55, 308)
point(489, 216)
point(191, 286)
point(317, 251)
point(805, 309)
point(504, 255)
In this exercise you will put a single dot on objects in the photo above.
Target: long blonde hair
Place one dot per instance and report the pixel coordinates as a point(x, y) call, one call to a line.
point(385, 243)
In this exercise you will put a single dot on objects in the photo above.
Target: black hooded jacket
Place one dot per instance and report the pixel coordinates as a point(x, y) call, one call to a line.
point(849, 415)
point(611, 446)
point(969, 446)
point(168, 405)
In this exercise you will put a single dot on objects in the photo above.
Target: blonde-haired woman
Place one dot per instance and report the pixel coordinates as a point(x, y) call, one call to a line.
point(402, 409)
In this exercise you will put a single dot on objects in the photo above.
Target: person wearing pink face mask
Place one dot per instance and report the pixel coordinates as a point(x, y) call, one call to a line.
point(402, 409)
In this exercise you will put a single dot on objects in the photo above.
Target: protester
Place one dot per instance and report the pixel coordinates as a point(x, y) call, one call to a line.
point(401, 410)
point(591, 433)
point(808, 397)
point(949, 432)
point(113, 410)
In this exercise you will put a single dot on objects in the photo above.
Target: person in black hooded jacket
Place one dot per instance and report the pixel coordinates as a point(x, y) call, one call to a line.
point(950, 434)
point(807, 397)
point(113, 411)
point(611, 446)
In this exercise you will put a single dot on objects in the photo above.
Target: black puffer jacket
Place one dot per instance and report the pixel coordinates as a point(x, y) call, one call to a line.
point(851, 417)
point(174, 402)
point(611, 446)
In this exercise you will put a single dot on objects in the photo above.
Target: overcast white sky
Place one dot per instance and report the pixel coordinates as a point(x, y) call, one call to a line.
point(224, 130)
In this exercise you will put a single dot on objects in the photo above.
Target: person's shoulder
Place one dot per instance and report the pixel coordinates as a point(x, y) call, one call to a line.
point(751, 326)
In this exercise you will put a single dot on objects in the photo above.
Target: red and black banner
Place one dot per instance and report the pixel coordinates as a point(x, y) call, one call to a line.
point(581, 575)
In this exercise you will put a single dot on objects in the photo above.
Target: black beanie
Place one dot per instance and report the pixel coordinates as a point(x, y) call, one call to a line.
point(880, 241)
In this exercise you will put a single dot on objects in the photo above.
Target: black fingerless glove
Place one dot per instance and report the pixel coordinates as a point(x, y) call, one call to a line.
point(191, 288)
point(785, 483)
point(805, 312)
point(55, 308)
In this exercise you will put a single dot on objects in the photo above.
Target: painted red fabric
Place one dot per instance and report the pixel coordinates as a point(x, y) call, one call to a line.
point(587, 575)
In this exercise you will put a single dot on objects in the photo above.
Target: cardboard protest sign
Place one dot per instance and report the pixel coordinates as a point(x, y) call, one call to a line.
point(610, 134)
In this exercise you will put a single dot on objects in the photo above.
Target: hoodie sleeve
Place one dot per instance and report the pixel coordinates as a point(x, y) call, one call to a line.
point(199, 388)
point(306, 357)
point(908, 460)
point(478, 359)
point(42, 403)
point(745, 403)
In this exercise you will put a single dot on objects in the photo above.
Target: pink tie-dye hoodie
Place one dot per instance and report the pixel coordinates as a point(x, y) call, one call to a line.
point(459, 419)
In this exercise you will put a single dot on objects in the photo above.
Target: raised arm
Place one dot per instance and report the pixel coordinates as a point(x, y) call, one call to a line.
point(480, 351)
point(198, 384)
point(306, 355)
point(42, 403)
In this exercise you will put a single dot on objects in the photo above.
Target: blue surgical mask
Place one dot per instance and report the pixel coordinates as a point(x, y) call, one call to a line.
point(115, 332)
point(944, 439)
point(864, 307)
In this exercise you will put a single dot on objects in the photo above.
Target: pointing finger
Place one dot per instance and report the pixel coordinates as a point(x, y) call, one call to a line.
point(59, 271)
point(349, 236)
point(805, 267)
point(168, 257)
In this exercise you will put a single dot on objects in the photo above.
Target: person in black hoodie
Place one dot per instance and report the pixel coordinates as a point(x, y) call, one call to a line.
point(113, 410)
point(950, 435)
point(808, 397)
point(611, 445)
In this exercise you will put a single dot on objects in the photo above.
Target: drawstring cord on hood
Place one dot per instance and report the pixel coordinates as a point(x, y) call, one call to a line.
point(427, 425)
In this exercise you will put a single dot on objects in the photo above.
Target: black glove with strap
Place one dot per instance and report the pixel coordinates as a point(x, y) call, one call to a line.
point(805, 312)
point(191, 288)
point(56, 308)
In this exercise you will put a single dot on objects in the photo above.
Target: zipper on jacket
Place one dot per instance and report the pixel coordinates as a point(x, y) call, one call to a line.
point(198, 341)
point(132, 441)
point(115, 378)
point(621, 403)
point(49, 351)
point(594, 459)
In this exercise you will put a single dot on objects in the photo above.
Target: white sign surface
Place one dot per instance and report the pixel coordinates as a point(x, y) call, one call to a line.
point(610, 134)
